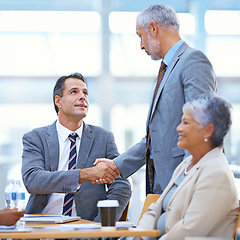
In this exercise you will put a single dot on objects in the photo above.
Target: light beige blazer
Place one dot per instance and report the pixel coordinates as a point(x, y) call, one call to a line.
point(205, 203)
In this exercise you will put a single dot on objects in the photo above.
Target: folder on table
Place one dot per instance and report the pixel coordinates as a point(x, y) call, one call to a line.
point(43, 218)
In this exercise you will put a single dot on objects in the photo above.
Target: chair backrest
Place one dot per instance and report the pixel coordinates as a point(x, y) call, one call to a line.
point(237, 223)
point(150, 198)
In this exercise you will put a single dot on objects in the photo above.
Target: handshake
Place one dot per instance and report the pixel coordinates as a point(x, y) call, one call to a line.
point(103, 171)
point(109, 170)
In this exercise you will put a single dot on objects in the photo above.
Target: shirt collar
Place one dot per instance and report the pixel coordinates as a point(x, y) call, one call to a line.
point(64, 132)
point(170, 54)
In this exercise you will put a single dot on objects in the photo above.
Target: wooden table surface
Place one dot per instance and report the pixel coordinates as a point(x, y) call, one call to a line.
point(55, 231)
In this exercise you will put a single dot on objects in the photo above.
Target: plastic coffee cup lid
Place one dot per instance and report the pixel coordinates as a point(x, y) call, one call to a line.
point(108, 203)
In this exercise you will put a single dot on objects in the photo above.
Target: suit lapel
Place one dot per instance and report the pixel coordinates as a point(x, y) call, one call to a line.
point(210, 156)
point(171, 183)
point(85, 146)
point(184, 181)
point(52, 139)
point(170, 68)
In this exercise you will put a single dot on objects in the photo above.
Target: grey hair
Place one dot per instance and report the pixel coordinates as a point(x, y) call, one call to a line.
point(212, 109)
point(163, 15)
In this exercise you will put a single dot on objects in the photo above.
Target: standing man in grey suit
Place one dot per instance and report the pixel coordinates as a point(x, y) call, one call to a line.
point(45, 158)
point(186, 73)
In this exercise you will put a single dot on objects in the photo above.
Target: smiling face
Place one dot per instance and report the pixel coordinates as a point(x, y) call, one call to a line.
point(191, 136)
point(73, 105)
point(148, 43)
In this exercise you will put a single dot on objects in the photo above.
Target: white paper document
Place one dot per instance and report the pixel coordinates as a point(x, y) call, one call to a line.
point(81, 226)
point(13, 228)
point(122, 224)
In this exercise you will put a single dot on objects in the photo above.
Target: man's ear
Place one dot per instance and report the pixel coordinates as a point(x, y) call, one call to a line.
point(57, 101)
point(153, 28)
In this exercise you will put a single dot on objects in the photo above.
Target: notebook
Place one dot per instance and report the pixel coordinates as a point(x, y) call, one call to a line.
point(38, 218)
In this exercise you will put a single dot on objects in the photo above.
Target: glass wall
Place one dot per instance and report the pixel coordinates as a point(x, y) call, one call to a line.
point(37, 47)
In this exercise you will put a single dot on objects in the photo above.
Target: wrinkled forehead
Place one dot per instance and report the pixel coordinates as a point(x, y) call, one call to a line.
point(74, 82)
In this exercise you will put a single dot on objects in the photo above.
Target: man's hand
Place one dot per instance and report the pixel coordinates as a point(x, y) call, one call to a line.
point(111, 166)
point(103, 171)
point(10, 216)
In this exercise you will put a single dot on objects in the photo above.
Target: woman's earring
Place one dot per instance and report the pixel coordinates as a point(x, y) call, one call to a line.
point(205, 139)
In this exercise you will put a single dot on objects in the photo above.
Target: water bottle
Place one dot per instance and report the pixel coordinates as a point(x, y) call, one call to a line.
point(13, 195)
point(20, 195)
point(17, 195)
point(8, 191)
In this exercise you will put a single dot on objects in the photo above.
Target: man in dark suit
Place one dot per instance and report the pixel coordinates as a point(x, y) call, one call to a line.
point(187, 73)
point(46, 158)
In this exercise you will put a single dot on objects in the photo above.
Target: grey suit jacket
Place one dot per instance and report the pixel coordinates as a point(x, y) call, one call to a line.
point(190, 74)
point(40, 163)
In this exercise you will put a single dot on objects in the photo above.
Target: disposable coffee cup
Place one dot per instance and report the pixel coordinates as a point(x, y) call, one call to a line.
point(108, 213)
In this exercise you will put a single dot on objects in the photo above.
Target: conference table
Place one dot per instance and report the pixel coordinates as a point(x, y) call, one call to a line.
point(51, 231)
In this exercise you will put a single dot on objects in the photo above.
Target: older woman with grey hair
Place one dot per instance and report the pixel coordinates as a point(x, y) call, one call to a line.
point(201, 197)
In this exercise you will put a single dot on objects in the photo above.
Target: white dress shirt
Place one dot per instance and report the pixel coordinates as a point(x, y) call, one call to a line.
point(56, 200)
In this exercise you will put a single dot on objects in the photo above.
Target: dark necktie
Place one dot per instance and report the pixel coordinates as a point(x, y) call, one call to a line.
point(149, 161)
point(68, 200)
point(161, 72)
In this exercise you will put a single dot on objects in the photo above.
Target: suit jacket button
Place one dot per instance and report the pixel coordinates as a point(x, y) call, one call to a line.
point(169, 208)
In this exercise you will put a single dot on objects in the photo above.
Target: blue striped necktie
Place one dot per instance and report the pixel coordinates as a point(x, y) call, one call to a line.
point(68, 200)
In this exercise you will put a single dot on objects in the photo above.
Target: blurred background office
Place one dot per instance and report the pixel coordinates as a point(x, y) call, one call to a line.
point(41, 40)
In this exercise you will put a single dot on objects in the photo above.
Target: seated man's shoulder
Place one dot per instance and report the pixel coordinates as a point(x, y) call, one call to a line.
point(40, 130)
point(97, 129)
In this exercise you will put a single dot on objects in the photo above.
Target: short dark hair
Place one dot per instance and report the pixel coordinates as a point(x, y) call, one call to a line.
point(60, 84)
